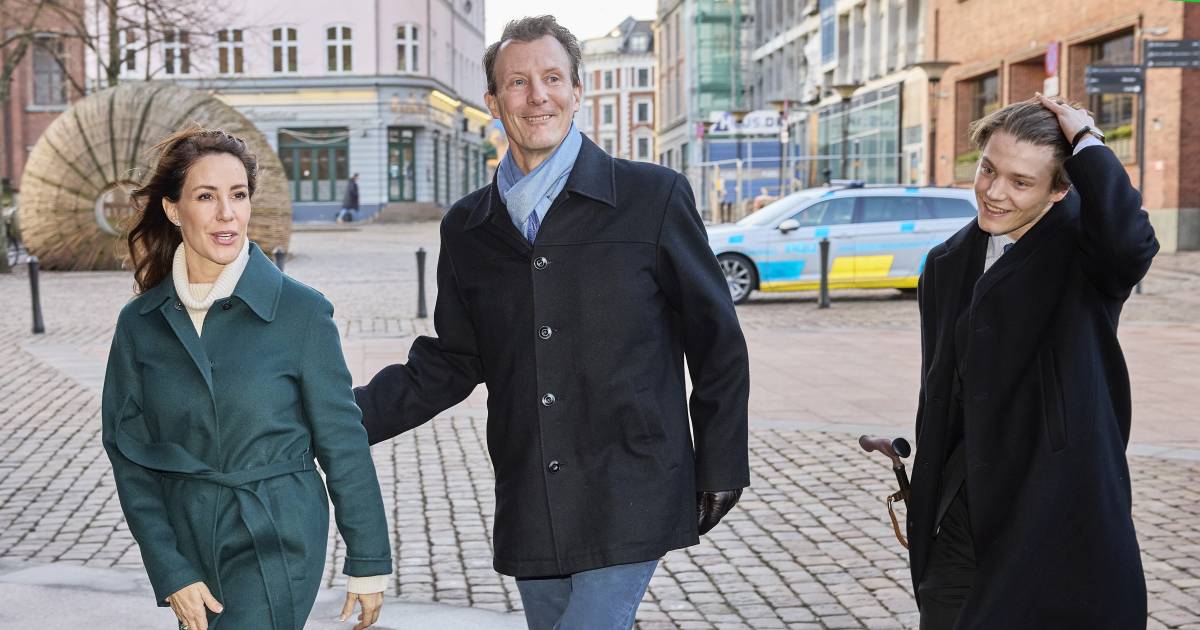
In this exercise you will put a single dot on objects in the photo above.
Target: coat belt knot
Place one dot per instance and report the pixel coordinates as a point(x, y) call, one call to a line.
point(175, 462)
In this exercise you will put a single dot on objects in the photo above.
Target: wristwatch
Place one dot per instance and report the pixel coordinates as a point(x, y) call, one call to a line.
point(1096, 133)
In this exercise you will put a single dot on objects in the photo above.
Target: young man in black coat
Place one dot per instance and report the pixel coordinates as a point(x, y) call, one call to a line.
point(573, 286)
point(1020, 514)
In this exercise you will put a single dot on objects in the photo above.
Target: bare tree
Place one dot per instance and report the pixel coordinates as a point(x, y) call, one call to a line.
point(18, 32)
point(123, 37)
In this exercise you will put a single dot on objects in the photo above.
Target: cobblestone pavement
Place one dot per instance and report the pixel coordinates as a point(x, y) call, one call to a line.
point(809, 545)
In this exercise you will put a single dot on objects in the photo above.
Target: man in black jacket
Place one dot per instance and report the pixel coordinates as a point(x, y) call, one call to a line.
point(574, 286)
point(349, 201)
point(1020, 514)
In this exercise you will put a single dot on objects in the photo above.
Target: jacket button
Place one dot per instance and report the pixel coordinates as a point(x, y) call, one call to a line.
point(545, 332)
point(553, 466)
point(225, 306)
point(179, 306)
point(541, 262)
point(548, 400)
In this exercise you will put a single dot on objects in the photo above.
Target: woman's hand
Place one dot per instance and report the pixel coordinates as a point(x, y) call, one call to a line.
point(371, 604)
point(189, 603)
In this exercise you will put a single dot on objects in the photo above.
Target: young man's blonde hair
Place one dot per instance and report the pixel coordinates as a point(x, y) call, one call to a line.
point(1028, 121)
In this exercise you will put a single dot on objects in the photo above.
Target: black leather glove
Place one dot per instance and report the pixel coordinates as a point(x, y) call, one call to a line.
point(711, 507)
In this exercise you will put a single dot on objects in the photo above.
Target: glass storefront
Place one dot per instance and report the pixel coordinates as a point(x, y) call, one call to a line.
point(316, 162)
point(871, 137)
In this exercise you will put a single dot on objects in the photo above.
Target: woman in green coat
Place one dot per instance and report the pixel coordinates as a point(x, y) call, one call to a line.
point(224, 381)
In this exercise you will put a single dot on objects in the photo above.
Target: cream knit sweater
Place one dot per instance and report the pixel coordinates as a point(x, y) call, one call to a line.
point(198, 298)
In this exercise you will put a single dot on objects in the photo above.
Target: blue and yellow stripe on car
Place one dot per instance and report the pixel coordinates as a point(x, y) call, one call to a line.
point(845, 272)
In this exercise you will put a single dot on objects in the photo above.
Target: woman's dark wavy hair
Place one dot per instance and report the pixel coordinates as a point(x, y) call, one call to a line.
point(153, 240)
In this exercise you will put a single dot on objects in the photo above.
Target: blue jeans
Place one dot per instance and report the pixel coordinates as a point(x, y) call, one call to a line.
point(600, 599)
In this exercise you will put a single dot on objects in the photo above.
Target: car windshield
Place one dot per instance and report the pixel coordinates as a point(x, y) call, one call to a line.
point(777, 209)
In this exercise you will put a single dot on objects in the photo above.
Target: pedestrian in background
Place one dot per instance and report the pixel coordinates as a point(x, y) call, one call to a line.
point(349, 201)
point(574, 286)
point(213, 411)
point(1020, 512)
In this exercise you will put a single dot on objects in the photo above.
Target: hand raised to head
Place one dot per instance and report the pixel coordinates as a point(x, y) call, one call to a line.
point(1070, 119)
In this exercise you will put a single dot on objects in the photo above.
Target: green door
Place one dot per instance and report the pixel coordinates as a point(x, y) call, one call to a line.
point(402, 179)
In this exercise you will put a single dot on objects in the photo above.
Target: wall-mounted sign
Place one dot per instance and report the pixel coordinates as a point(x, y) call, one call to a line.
point(757, 122)
point(1179, 53)
point(1114, 79)
point(1052, 59)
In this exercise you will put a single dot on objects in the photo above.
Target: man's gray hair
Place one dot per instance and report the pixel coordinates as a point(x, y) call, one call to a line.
point(530, 29)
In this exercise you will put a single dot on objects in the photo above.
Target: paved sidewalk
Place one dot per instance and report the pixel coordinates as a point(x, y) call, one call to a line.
point(809, 546)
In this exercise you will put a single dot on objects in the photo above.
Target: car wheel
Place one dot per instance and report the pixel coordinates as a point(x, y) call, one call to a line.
point(739, 275)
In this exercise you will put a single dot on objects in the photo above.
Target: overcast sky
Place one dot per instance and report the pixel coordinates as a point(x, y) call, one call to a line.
point(585, 18)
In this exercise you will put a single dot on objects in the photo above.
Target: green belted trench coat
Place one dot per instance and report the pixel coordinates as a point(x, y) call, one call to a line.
point(212, 440)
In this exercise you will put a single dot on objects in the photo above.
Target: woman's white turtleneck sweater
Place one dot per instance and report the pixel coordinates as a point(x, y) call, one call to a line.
point(198, 297)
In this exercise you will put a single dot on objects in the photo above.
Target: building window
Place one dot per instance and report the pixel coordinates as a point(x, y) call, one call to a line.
point(643, 149)
point(609, 146)
point(284, 49)
point(176, 52)
point(608, 79)
point(49, 80)
point(976, 98)
point(338, 49)
point(1115, 112)
point(406, 48)
point(829, 31)
point(230, 54)
point(127, 40)
point(643, 112)
point(606, 114)
point(316, 161)
point(643, 77)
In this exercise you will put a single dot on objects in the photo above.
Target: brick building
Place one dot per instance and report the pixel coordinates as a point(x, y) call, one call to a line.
point(617, 110)
point(41, 87)
point(1000, 52)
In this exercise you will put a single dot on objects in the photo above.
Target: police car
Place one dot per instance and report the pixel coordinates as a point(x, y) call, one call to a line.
point(878, 238)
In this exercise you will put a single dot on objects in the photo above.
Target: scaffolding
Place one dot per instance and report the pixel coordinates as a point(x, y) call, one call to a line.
point(719, 56)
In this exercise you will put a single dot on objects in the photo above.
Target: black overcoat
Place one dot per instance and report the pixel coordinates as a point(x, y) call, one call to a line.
point(1047, 410)
point(581, 341)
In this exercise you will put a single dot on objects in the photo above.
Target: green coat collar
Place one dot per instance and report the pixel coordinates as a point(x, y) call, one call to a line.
point(259, 287)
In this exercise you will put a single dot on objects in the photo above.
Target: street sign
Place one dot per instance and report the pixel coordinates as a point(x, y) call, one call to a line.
point(1114, 79)
point(1178, 53)
point(1051, 61)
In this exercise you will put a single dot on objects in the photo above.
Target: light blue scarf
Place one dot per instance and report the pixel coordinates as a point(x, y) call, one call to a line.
point(535, 191)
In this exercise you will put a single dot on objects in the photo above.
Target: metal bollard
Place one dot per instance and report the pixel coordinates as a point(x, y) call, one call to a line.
point(823, 298)
point(4, 267)
point(280, 257)
point(420, 283)
point(38, 326)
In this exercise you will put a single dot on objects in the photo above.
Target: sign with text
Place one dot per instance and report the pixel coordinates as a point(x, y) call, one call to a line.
point(1179, 53)
point(1114, 79)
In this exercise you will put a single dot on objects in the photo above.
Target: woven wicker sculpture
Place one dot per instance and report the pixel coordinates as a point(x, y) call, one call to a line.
point(74, 206)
